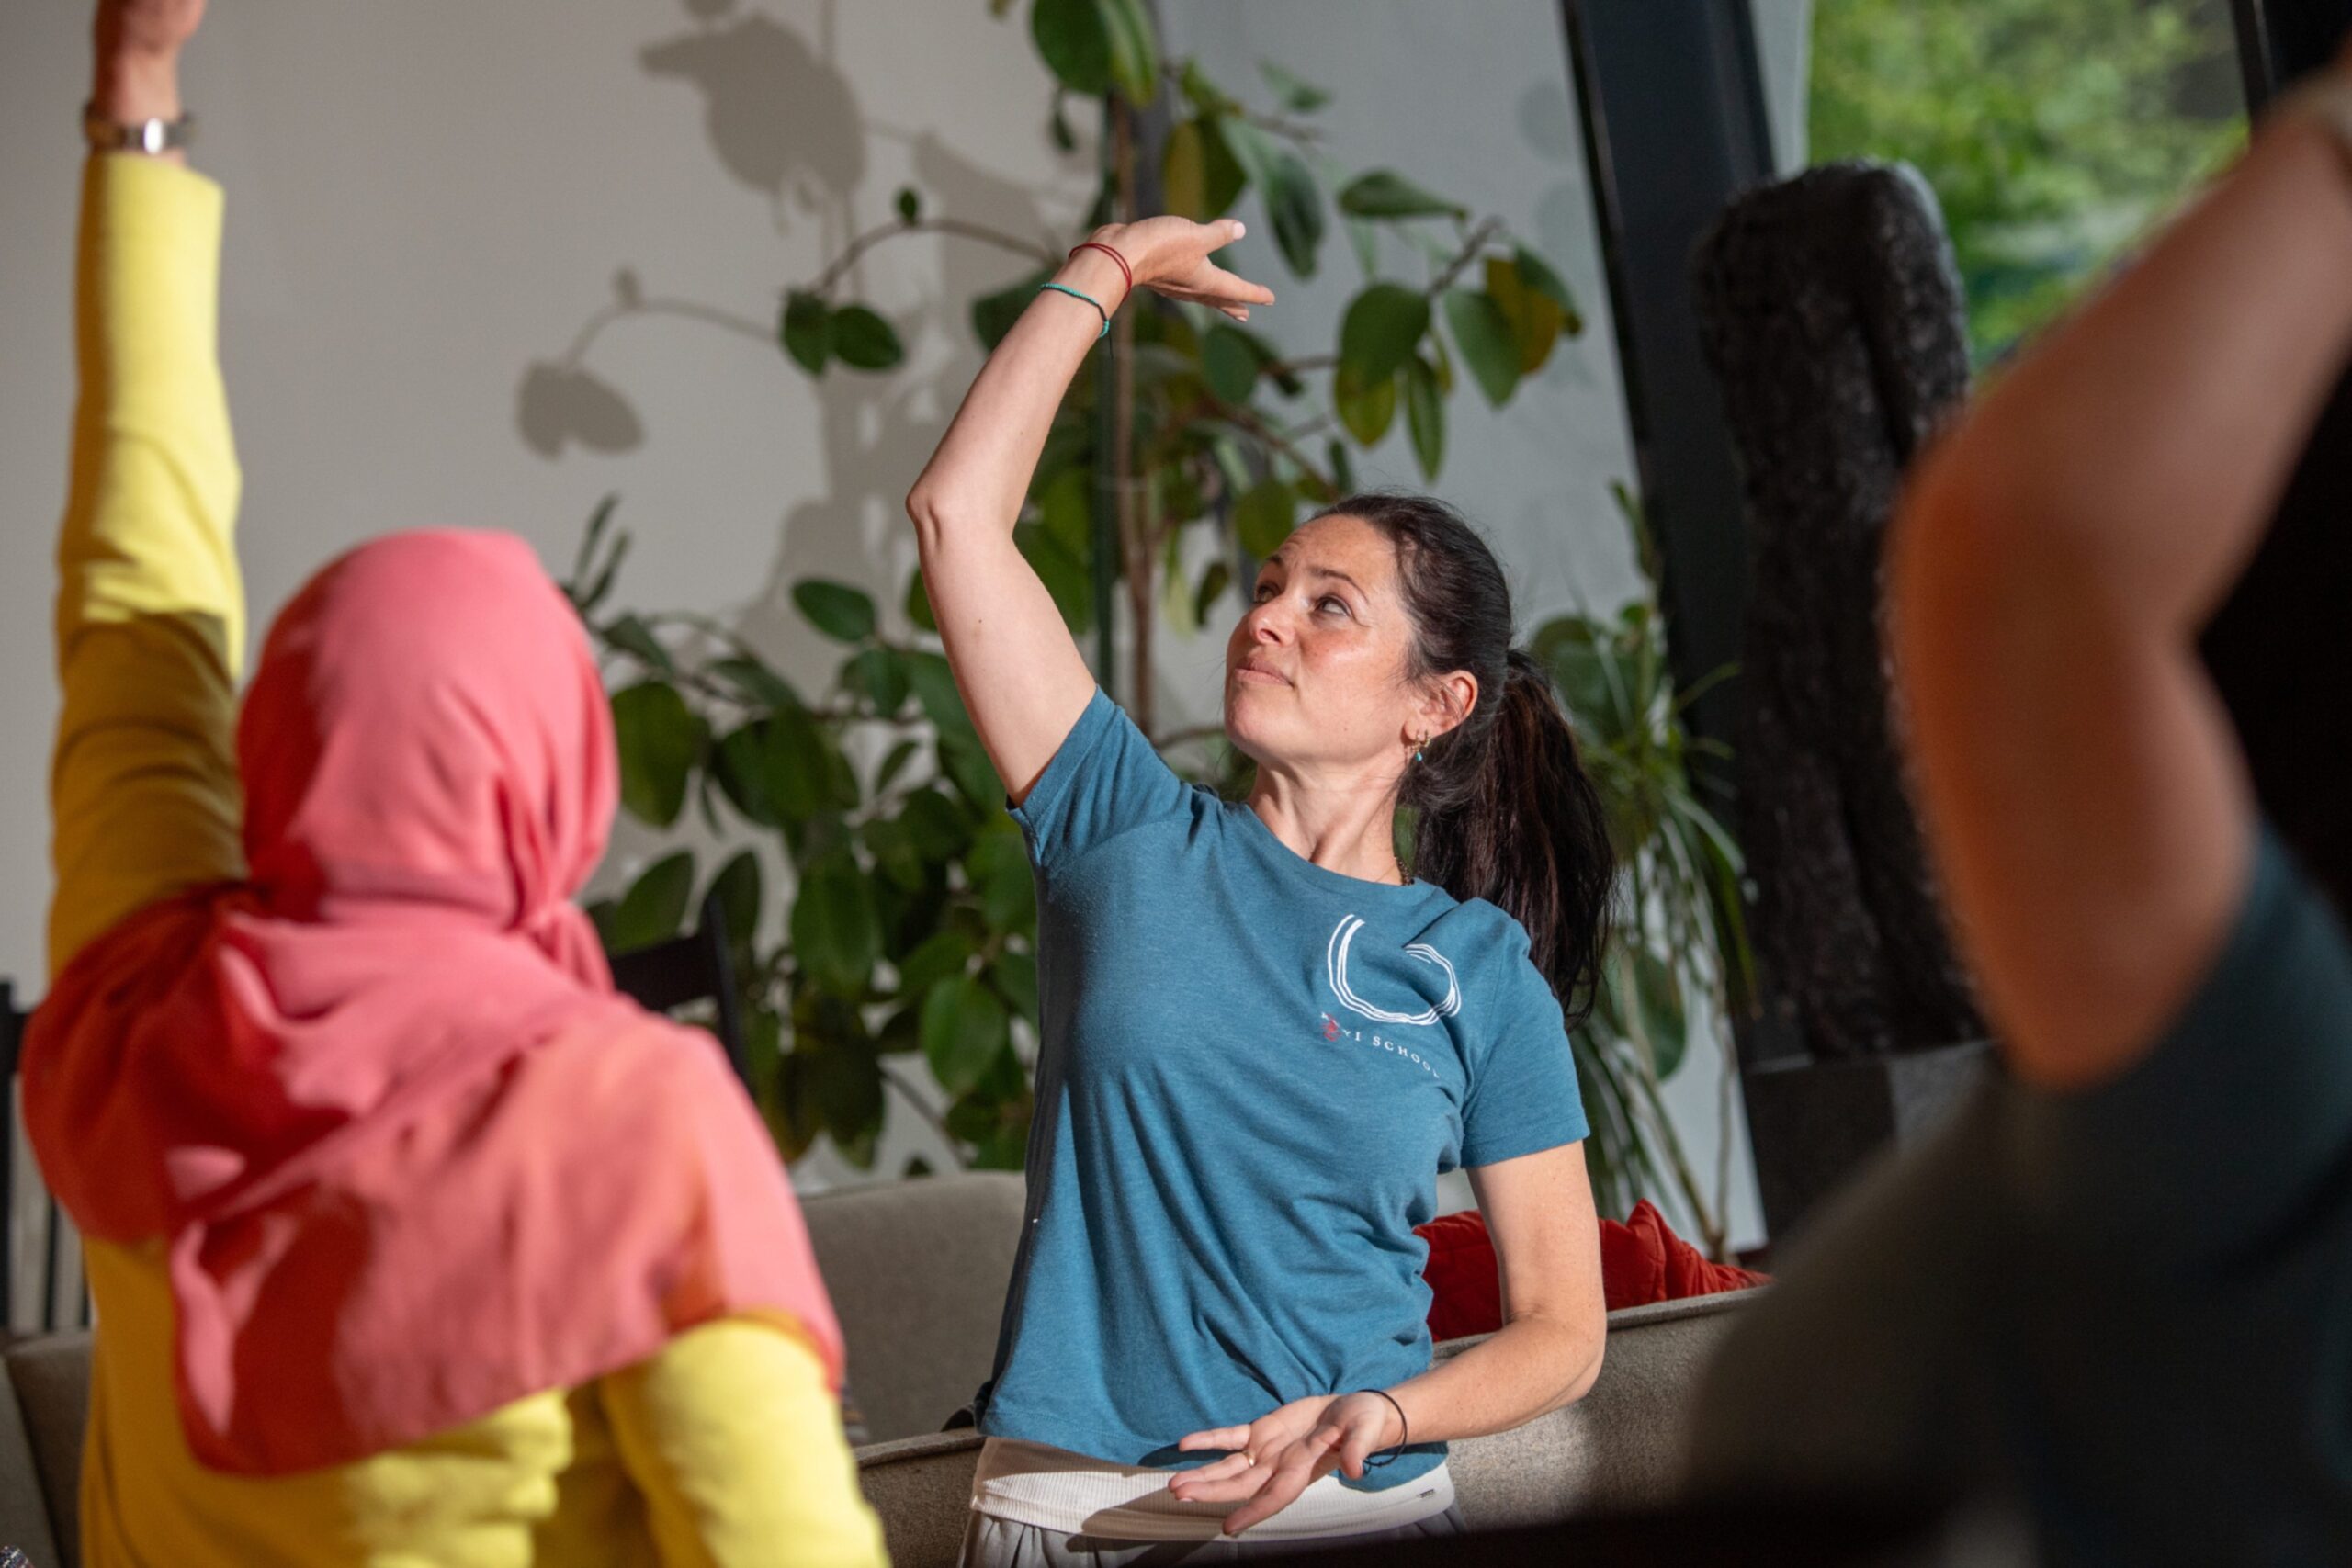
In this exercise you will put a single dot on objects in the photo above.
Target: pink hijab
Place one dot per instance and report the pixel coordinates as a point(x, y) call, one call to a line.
point(408, 1158)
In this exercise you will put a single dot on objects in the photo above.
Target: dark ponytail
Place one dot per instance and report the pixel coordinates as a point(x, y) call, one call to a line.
point(1506, 811)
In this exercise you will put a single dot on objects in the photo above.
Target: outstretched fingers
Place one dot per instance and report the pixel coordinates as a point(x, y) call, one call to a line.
point(1306, 1459)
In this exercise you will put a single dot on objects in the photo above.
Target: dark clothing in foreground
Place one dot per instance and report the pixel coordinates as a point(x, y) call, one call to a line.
point(2130, 1308)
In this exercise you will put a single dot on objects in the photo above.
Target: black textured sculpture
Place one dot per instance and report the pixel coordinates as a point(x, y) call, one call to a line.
point(1833, 321)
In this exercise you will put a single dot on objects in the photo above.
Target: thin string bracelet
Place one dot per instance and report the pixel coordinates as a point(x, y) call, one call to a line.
point(1404, 1431)
point(1125, 270)
point(1079, 294)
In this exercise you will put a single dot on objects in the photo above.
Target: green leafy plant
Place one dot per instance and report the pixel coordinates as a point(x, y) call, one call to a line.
point(911, 926)
point(1680, 952)
point(2053, 132)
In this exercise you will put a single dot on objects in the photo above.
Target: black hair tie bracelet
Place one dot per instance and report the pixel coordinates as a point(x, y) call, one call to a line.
point(1404, 1431)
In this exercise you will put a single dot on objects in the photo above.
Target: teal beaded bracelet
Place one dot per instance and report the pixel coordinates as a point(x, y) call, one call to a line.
point(1076, 294)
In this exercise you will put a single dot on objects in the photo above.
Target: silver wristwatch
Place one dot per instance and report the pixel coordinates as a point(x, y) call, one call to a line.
point(149, 136)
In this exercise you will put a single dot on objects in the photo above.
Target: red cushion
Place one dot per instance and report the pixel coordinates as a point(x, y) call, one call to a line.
point(1641, 1260)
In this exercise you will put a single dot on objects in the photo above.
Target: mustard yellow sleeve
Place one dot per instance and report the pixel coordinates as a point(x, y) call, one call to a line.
point(149, 607)
point(736, 1441)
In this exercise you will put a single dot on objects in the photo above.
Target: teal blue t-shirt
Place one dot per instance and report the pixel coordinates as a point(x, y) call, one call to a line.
point(1251, 1071)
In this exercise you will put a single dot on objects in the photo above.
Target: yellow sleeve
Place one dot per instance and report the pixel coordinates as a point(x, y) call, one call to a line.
point(737, 1444)
point(149, 608)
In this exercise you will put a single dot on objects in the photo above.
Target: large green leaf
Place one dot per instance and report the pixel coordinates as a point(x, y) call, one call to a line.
point(1064, 510)
point(740, 764)
point(965, 762)
point(1380, 330)
point(1074, 43)
point(1483, 333)
point(879, 675)
point(1537, 273)
point(1198, 175)
point(1230, 360)
point(841, 612)
point(1015, 976)
point(807, 329)
point(1385, 193)
point(1135, 49)
point(736, 889)
point(845, 1085)
point(934, 684)
point(1263, 518)
point(1294, 203)
point(660, 741)
point(634, 637)
point(797, 766)
point(964, 1028)
point(654, 908)
point(1425, 415)
point(1364, 407)
point(754, 683)
point(998, 867)
point(1535, 317)
point(935, 826)
point(895, 763)
point(944, 955)
point(836, 936)
point(1665, 1021)
point(865, 340)
point(1215, 580)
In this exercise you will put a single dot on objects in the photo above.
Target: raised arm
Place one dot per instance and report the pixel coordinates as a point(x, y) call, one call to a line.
point(1021, 674)
point(2053, 565)
point(150, 610)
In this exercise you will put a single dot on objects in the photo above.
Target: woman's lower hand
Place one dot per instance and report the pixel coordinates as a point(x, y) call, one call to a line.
point(1278, 1456)
point(1170, 256)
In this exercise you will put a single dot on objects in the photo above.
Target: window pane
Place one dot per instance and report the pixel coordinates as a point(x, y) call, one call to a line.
point(2055, 132)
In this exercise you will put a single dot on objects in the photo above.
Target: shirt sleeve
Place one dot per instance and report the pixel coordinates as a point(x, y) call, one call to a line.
point(1523, 1096)
point(736, 1442)
point(1105, 779)
point(149, 607)
point(2231, 1125)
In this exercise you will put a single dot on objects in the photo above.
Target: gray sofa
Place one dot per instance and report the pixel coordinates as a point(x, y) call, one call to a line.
point(918, 1270)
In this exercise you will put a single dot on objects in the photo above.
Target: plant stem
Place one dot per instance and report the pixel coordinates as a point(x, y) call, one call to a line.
point(1469, 253)
point(1247, 419)
point(823, 286)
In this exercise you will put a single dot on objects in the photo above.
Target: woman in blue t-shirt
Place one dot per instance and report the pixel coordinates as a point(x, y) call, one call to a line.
point(1262, 1035)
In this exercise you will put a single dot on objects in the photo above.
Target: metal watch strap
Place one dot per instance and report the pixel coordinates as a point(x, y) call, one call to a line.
point(149, 136)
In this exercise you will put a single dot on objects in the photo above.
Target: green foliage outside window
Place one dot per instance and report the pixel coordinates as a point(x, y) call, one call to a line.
point(2053, 131)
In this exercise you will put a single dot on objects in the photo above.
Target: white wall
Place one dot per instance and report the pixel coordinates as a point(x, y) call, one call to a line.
point(428, 200)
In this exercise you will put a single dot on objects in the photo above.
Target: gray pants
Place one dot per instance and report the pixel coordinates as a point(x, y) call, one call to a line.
point(999, 1543)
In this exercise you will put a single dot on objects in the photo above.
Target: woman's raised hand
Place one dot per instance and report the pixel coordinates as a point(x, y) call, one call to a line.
point(1170, 256)
point(148, 28)
point(135, 61)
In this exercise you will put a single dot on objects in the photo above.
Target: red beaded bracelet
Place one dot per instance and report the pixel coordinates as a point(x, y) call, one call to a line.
point(1125, 270)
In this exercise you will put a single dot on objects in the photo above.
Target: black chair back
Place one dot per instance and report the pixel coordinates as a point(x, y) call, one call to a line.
point(685, 971)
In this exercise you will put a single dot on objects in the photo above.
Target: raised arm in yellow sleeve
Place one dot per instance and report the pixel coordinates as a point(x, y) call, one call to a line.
point(736, 1442)
point(149, 607)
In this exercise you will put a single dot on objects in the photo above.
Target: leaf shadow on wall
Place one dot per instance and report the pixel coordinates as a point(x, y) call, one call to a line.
point(783, 120)
point(776, 114)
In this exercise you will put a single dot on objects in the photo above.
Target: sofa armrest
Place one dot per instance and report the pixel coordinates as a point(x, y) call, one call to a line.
point(921, 1487)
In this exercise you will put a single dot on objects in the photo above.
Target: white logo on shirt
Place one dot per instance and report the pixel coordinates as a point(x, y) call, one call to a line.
point(1335, 961)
